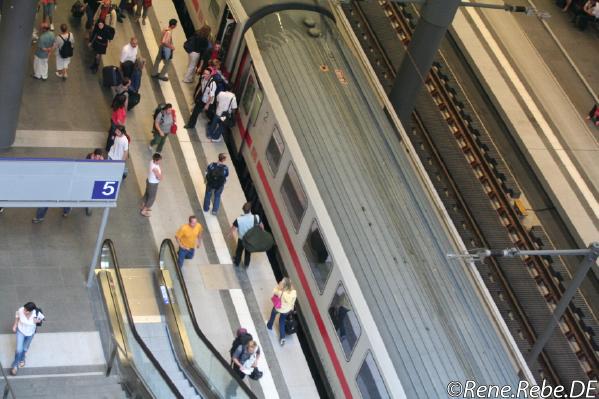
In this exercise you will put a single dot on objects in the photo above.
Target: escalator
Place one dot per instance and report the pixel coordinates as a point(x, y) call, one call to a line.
point(157, 346)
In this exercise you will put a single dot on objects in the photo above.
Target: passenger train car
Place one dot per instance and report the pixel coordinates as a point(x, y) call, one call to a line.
point(359, 229)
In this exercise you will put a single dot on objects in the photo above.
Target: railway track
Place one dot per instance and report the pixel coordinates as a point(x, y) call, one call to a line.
point(499, 192)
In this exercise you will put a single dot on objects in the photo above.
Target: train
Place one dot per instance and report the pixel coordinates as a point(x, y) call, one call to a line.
point(358, 225)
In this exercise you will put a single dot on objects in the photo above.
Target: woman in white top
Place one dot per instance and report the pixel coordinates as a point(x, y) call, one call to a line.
point(286, 295)
point(62, 64)
point(26, 319)
point(154, 177)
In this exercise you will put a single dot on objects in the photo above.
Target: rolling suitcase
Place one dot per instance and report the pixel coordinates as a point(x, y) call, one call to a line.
point(111, 76)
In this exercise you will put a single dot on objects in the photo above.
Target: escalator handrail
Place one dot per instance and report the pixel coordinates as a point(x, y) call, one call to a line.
point(136, 335)
point(7, 387)
point(171, 247)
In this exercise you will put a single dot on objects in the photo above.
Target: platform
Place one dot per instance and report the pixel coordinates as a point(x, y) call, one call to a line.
point(560, 146)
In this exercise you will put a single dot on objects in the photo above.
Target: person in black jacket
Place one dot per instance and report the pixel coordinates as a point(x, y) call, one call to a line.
point(195, 46)
point(98, 42)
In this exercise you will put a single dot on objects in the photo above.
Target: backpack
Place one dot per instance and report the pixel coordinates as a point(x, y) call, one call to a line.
point(158, 109)
point(242, 338)
point(66, 50)
point(189, 45)
point(221, 85)
point(38, 311)
point(215, 178)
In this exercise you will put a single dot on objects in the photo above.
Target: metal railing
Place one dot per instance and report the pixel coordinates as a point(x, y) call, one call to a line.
point(144, 373)
point(7, 392)
point(194, 348)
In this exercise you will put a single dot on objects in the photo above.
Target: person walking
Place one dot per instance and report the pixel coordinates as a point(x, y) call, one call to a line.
point(64, 44)
point(195, 46)
point(99, 40)
point(188, 237)
point(154, 177)
point(48, 7)
point(216, 177)
point(203, 97)
point(226, 104)
point(285, 303)
point(245, 360)
point(242, 225)
point(165, 51)
point(141, 10)
point(106, 13)
point(40, 214)
point(163, 123)
point(45, 45)
point(26, 319)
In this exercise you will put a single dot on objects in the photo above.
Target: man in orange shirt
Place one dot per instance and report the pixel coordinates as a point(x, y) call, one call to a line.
point(188, 237)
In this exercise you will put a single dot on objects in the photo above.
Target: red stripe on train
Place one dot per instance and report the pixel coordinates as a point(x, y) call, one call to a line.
point(304, 282)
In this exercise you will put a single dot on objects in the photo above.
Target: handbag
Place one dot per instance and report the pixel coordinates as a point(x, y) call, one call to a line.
point(257, 239)
point(229, 116)
point(276, 301)
point(174, 125)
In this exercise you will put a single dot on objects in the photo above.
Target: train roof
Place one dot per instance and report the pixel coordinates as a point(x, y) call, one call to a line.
point(428, 312)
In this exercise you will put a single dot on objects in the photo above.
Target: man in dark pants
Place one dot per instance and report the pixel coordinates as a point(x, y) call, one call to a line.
point(203, 96)
point(216, 177)
point(242, 225)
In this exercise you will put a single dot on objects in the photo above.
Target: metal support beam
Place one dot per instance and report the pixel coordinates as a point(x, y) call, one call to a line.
point(92, 266)
point(436, 16)
point(588, 262)
point(16, 26)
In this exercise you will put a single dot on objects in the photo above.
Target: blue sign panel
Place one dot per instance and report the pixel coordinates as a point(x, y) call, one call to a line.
point(105, 190)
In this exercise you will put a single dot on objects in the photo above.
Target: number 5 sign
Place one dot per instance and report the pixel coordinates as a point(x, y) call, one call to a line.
point(104, 190)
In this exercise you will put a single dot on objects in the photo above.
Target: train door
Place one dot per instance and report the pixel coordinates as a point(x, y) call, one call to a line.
point(225, 36)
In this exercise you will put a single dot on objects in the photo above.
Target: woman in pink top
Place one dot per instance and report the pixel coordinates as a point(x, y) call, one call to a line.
point(118, 118)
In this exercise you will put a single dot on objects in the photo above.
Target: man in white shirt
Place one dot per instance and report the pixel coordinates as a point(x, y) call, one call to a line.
point(129, 51)
point(226, 104)
point(242, 225)
point(120, 149)
point(203, 96)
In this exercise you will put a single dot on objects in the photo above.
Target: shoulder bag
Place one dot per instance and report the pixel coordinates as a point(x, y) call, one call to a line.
point(257, 239)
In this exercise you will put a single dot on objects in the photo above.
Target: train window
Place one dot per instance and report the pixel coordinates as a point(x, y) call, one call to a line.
point(248, 95)
point(214, 8)
point(345, 321)
point(370, 382)
point(318, 256)
point(259, 97)
point(294, 197)
point(274, 150)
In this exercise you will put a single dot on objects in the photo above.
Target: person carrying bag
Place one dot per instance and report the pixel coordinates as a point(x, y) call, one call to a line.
point(283, 300)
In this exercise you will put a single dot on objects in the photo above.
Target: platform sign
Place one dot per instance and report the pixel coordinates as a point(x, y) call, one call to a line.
point(57, 182)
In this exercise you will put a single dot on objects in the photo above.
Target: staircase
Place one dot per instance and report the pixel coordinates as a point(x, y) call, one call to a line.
point(67, 386)
point(156, 338)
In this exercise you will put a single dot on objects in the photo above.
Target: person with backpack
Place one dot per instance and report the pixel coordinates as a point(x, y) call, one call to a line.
point(240, 226)
point(165, 51)
point(154, 177)
point(164, 119)
point(245, 360)
point(64, 44)
point(203, 96)
point(106, 13)
point(224, 117)
point(216, 176)
point(283, 300)
point(195, 46)
point(27, 319)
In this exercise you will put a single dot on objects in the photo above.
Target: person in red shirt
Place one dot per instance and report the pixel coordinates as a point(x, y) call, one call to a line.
point(118, 118)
